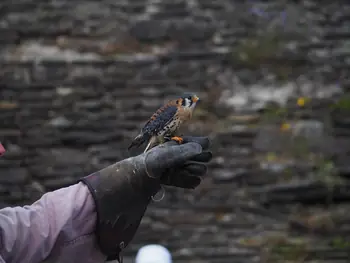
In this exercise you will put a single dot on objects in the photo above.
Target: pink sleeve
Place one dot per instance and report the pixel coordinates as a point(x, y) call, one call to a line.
point(60, 227)
point(2, 149)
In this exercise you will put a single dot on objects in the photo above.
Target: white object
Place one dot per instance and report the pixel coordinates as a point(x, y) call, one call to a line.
point(153, 254)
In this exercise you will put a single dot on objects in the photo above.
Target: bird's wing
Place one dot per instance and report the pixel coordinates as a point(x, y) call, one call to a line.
point(160, 119)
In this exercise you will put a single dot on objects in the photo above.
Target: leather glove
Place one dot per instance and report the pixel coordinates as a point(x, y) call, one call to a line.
point(122, 191)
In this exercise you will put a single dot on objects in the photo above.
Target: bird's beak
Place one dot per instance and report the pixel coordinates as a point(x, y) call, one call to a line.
point(195, 99)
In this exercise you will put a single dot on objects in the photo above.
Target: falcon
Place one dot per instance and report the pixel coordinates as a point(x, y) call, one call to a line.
point(166, 121)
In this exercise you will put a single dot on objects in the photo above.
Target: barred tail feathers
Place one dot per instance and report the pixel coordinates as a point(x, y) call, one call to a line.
point(138, 141)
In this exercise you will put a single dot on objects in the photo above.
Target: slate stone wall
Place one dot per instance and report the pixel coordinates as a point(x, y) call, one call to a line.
point(78, 79)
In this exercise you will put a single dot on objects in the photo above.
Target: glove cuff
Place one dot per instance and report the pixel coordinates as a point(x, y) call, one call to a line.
point(121, 192)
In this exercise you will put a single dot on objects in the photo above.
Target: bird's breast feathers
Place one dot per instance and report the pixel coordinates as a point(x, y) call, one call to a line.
point(167, 119)
point(181, 116)
point(184, 114)
point(170, 127)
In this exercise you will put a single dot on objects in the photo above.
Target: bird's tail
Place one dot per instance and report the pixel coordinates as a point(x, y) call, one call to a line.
point(138, 141)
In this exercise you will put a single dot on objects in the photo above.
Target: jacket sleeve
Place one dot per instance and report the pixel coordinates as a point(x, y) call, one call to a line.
point(59, 227)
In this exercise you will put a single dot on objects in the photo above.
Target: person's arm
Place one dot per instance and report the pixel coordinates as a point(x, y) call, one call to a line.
point(97, 218)
point(61, 226)
point(2, 149)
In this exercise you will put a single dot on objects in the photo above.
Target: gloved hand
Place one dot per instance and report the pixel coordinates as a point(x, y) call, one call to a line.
point(123, 190)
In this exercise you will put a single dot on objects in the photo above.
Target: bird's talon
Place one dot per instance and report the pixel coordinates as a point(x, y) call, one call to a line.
point(177, 139)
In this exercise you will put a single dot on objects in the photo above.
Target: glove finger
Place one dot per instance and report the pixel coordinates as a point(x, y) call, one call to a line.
point(196, 169)
point(175, 155)
point(161, 158)
point(203, 157)
point(203, 141)
point(183, 180)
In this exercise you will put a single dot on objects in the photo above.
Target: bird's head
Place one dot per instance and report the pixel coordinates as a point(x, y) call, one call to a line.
point(188, 101)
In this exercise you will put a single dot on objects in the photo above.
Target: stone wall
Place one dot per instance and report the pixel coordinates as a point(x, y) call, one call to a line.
point(78, 79)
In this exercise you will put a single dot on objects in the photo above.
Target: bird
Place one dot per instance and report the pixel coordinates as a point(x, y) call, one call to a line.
point(166, 121)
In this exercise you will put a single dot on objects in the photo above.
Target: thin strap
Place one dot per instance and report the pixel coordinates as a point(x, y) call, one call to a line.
point(162, 196)
point(121, 245)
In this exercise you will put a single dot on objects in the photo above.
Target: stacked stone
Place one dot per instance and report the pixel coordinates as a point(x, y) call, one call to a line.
point(77, 81)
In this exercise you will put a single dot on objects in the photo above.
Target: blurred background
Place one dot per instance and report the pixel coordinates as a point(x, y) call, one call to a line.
point(78, 79)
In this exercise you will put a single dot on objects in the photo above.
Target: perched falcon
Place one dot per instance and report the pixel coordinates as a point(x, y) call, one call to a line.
point(166, 121)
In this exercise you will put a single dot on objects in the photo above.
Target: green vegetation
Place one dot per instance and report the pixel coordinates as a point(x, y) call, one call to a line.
point(263, 50)
point(340, 243)
point(293, 250)
point(343, 103)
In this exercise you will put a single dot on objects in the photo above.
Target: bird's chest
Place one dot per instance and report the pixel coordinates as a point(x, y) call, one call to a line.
point(170, 127)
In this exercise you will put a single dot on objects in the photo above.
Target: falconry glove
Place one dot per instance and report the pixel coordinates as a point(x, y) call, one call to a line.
point(123, 190)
